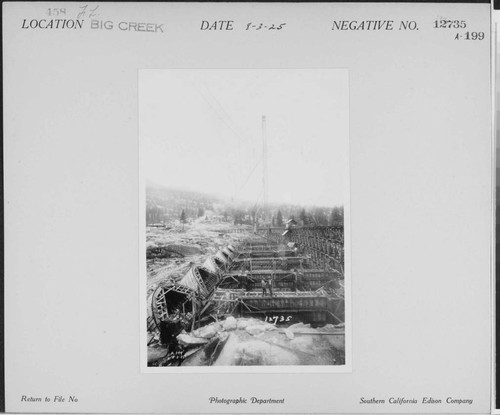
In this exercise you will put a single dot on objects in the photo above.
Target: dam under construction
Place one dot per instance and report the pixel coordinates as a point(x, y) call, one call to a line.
point(245, 219)
point(266, 296)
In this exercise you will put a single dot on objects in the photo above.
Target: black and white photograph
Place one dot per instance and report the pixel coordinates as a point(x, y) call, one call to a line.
point(245, 176)
point(250, 207)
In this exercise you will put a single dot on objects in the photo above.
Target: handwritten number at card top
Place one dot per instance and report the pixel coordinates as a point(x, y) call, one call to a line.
point(91, 12)
point(56, 12)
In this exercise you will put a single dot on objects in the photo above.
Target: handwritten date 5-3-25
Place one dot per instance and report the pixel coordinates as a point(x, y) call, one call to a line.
point(259, 26)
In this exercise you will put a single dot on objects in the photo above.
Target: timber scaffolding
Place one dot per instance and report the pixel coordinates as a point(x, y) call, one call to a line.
point(312, 280)
point(287, 307)
point(324, 244)
point(304, 267)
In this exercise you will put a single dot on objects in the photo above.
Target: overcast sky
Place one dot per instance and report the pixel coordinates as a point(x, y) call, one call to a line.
point(202, 130)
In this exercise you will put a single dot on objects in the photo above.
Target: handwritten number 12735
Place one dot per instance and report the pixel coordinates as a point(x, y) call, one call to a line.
point(277, 319)
point(449, 24)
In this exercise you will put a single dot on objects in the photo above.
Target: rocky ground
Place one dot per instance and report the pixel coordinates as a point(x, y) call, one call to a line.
point(233, 341)
point(197, 241)
point(252, 342)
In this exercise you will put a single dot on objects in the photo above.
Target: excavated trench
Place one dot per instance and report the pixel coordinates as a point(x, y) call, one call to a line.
point(228, 285)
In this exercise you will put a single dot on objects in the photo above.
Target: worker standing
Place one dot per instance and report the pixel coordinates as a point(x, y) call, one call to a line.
point(264, 287)
point(270, 285)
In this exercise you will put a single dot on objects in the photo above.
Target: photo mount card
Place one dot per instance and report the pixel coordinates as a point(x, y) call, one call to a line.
point(148, 151)
point(268, 277)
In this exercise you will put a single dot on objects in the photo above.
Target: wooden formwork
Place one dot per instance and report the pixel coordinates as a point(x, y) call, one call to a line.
point(260, 243)
point(261, 253)
point(239, 272)
point(282, 280)
point(306, 307)
point(269, 263)
point(324, 244)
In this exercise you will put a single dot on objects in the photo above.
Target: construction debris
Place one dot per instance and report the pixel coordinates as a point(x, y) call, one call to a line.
point(256, 301)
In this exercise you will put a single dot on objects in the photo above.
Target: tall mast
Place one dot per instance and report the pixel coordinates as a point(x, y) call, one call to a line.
point(264, 163)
